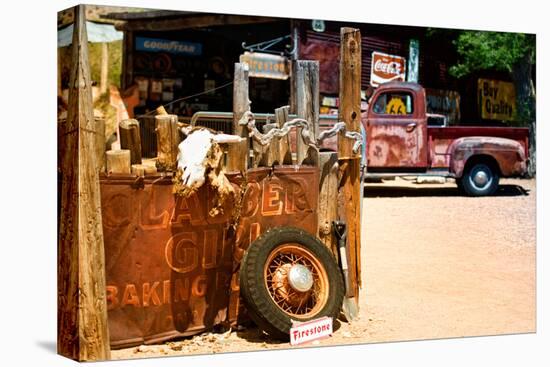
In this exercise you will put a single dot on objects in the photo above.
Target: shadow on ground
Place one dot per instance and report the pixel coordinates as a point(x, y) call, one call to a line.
point(397, 191)
point(50, 346)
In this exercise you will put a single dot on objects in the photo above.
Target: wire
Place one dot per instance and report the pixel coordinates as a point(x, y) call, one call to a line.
point(191, 96)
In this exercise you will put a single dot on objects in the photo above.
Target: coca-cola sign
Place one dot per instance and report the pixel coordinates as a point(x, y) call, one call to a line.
point(386, 68)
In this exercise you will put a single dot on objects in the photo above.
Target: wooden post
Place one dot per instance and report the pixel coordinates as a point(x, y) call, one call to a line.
point(168, 140)
point(307, 107)
point(328, 205)
point(238, 154)
point(104, 74)
point(285, 154)
point(82, 330)
point(118, 161)
point(130, 139)
point(295, 34)
point(350, 163)
point(270, 153)
point(100, 144)
point(127, 74)
point(160, 110)
point(59, 72)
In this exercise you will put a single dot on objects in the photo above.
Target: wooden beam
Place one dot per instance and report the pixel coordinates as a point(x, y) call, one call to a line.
point(118, 161)
point(350, 163)
point(168, 139)
point(350, 90)
point(270, 153)
point(82, 330)
point(238, 154)
point(130, 139)
point(285, 153)
point(127, 74)
point(104, 74)
point(100, 143)
point(307, 107)
point(190, 21)
point(328, 205)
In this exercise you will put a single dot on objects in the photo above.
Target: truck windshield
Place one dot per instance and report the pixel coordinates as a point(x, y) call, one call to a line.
point(394, 103)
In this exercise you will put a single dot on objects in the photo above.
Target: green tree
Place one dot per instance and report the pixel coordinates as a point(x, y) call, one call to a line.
point(509, 52)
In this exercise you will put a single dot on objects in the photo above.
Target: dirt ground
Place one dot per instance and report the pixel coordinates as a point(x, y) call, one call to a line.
point(435, 265)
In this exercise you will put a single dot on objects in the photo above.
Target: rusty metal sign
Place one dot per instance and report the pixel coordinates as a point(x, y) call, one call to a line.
point(386, 68)
point(262, 65)
point(497, 99)
point(444, 102)
point(172, 270)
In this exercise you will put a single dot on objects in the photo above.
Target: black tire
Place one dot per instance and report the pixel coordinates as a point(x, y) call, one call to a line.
point(261, 304)
point(460, 186)
point(488, 185)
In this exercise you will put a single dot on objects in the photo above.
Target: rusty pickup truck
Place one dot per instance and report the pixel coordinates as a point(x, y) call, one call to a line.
point(400, 142)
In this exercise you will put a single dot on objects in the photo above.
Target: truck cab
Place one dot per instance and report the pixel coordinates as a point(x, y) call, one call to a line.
point(401, 143)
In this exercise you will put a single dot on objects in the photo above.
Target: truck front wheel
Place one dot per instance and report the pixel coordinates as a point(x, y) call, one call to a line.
point(480, 179)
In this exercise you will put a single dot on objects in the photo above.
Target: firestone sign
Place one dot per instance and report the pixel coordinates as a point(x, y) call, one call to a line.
point(386, 68)
point(262, 65)
point(303, 332)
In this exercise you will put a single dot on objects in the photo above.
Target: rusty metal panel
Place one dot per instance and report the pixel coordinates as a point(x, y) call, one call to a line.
point(508, 153)
point(169, 266)
point(442, 138)
point(282, 197)
point(398, 141)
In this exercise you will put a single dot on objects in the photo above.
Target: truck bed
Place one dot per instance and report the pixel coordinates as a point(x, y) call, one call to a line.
point(440, 138)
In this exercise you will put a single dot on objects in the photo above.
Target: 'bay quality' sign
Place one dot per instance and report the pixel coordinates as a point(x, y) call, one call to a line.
point(497, 99)
point(170, 46)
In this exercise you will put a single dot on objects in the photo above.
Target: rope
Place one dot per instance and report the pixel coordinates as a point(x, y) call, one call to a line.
point(191, 96)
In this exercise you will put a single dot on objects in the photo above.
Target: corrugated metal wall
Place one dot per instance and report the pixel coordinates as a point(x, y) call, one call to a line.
point(434, 59)
point(368, 45)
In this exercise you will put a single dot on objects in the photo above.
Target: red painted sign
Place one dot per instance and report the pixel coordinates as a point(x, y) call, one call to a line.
point(386, 68)
point(304, 332)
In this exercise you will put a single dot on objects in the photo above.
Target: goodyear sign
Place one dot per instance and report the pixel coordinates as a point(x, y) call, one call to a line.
point(497, 99)
point(262, 65)
point(170, 46)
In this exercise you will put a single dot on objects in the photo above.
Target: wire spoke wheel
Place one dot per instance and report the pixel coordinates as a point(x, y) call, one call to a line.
point(287, 274)
point(295, 298)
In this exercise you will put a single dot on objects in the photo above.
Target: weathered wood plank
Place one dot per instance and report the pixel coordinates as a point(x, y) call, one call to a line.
point(349, 110)
point(197, 21)
point(350, 163)
point(307, 107)
point(82, 330)
point(285, 153)
point(127, 60)
point(100, 143)
point(130, 139)
point(238, 154)
point(104, 74)
point(168, 139)
point(270, 153)
point(118, 161)
point(328, 205)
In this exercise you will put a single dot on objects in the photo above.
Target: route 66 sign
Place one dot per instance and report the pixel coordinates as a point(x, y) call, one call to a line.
point(318, 25)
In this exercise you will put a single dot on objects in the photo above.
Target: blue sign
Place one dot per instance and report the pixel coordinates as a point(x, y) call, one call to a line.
point(174, 47)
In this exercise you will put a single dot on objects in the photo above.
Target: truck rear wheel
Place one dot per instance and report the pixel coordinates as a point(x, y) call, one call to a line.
point(287, 274)
point(480, 179)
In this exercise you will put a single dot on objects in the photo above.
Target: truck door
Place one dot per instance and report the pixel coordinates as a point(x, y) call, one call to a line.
point(396, 131)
